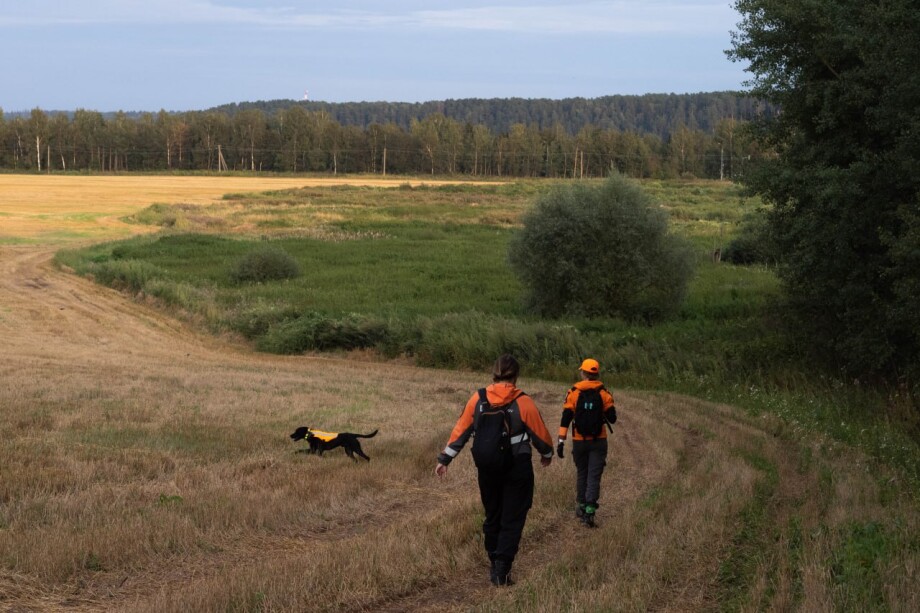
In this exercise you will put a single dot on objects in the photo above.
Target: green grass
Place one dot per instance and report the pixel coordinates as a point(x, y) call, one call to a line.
point(739, 566)
point(423, 272)
point(856, 564)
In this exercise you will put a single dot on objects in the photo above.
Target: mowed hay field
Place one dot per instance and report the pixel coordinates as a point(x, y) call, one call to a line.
point(146, 466)
point(55, 208)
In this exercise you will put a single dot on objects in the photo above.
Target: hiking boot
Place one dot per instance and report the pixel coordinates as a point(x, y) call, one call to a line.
point(580, 511)
point(588, 517)
point(500, 571)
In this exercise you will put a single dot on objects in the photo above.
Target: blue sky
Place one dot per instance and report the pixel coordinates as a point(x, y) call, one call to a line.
point(147, 55)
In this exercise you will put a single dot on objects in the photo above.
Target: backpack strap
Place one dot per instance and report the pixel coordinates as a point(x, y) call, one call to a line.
point(482, 405)
point(604, 413)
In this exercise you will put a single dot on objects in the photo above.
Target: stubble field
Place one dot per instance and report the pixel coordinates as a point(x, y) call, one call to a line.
point(146, 466)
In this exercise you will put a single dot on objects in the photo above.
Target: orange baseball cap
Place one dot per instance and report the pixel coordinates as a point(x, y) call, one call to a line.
point(591, 366)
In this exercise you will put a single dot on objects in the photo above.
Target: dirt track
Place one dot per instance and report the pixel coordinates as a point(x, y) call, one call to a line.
point(676, 483)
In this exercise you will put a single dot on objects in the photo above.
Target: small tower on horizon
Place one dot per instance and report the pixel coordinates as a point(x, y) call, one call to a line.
point(306, 95)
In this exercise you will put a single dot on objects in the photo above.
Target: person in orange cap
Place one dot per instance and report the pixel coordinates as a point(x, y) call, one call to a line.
point(589, 409)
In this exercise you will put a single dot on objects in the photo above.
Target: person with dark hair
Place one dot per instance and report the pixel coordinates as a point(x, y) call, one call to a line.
point(504, 423)
point(588, 408)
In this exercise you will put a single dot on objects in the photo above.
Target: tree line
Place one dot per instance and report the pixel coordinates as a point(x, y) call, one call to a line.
point(658, 114)
point(294, 139)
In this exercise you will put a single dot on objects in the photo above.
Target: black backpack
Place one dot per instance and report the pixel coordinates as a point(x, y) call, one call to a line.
point(589, 412)
point(491, 435)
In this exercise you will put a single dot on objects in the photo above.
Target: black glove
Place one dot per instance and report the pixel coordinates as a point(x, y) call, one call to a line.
point(559, 448)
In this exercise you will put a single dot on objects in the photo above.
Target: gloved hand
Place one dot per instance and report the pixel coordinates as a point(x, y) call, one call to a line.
point(559, 448)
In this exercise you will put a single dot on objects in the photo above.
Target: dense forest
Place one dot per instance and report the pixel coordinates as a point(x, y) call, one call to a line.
point(643, 136)
point(658, 114)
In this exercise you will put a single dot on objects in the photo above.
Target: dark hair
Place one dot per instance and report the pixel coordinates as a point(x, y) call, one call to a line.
point(506, 368)
point(589, 376)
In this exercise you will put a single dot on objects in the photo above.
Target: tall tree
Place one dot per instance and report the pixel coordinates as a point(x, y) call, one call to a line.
point(4, 146)
point(428, 133)
point(38, 128)
point(479, 142)
point(165, 127)
point(61, 136)
point(89, 128)
point(296, 125)
point(211, 132)
point(122, 141)
point(845, 186)
point(249, 131)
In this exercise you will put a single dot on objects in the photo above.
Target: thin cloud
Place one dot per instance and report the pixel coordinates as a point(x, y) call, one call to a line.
point(596, 17)
point(619, 17)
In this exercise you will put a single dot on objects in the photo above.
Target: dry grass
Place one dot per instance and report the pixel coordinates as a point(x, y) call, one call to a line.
point(146, 467)
point(56, 208)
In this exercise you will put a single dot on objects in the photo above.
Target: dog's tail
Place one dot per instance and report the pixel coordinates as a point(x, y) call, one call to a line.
point(300, 433)
point(371, 435)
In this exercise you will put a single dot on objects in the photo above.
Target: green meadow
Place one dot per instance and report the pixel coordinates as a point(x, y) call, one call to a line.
point(422, 273)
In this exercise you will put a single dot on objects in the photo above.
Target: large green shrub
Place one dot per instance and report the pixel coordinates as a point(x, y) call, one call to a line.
point(265, 264)
point(600, 250)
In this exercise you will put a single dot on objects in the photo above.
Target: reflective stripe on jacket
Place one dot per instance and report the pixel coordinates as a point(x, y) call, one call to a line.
point(527, 426)
point(568, 410)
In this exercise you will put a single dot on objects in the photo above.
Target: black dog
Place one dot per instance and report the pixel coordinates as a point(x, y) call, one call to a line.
point(324, 441)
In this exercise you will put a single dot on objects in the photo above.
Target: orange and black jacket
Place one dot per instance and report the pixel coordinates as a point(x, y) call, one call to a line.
point(527, 425)
point(568, 410)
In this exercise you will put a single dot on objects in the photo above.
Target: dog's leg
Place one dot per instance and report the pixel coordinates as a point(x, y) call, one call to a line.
point(357, 449)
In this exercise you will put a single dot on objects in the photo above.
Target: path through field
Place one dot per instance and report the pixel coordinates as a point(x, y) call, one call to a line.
point(146, 466)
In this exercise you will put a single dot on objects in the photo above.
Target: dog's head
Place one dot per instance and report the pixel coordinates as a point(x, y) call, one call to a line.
point(301, 433)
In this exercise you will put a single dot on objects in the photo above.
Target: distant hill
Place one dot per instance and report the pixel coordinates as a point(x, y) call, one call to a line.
point(658, 114)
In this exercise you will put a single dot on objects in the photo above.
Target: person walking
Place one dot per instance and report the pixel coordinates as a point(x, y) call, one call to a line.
point(505, 423)
point(590, 410)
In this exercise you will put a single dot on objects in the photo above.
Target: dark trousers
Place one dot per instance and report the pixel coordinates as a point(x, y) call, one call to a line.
point(506, 497)
point(590, 458)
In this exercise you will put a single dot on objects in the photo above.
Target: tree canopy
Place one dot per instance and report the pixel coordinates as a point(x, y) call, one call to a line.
point(845, 184)
point(656, 114)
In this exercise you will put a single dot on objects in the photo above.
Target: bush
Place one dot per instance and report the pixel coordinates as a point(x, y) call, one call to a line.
point(754, 243)
point(125, 274)
point(600, 251)
point(317, 332)
point(265, 264)
point(257, 320)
